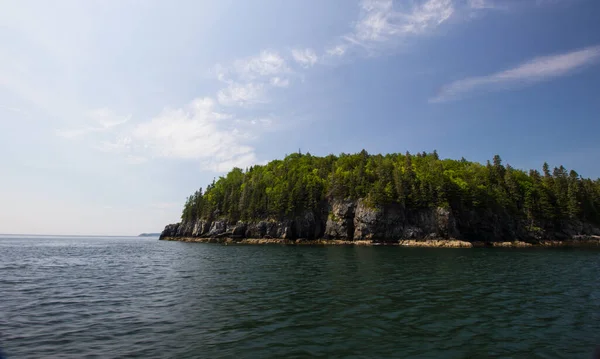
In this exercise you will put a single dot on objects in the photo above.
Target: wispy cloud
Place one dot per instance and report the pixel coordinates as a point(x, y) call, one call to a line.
point(106, 118)
point(279, 82)
point(214, 128)
point(549, 2)
point(102, 120)
point(533, 71)
point(136, 160)
point(121, 144)
point(337, 50)
point(266, 64)
point(481, 4)
point(305, 57)
point(249, 79)
point(210, 129)
point(505, 5)
point(381, 22)
point(241, 94)
point(220, 140)
point(386, 23)
point(427, 16)
point(196, 132)
point(13, 109)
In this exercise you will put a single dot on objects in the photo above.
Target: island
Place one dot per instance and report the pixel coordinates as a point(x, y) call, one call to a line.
point(149, 235)
point(395, 199)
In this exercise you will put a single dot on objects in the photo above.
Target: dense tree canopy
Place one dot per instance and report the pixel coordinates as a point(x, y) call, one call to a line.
point(284, 188)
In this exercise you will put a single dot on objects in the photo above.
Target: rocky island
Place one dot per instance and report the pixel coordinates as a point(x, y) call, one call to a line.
point(398, 199)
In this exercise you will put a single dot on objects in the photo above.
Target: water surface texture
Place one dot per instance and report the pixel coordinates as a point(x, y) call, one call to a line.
point(138, 297)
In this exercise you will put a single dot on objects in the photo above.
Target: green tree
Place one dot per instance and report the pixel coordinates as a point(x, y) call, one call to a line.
point(300, 182)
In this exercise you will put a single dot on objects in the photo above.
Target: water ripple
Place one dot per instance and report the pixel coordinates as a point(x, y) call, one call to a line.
point(125, 297)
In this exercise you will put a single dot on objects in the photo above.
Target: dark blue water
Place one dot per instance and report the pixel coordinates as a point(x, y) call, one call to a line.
point(136, 297)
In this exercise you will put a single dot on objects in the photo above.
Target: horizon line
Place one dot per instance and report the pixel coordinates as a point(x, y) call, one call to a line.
point(73, 235)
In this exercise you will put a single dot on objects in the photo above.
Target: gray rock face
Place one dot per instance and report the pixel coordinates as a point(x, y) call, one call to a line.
point(369, 222)
point(169, 231)
point(200, 227)
point(256, 230)
point(217, 228)
point(446, 224)
point(239, 229)
point(359, 220)
point(340, 221)
point(394, 222)
point(304, 226)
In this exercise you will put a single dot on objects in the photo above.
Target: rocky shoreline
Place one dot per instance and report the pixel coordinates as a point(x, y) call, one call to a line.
point(356, 222)
point(576, 242)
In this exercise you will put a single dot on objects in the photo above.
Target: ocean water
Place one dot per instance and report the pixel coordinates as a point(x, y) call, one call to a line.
point(95, 297)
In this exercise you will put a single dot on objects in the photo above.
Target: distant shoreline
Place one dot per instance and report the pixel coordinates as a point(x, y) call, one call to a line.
point(68, 235)
point(587, 242)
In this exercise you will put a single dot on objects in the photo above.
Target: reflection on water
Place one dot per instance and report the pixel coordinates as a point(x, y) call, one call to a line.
point(115, 297)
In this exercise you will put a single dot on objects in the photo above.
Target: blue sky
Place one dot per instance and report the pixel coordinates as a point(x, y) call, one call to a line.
point(112, 112)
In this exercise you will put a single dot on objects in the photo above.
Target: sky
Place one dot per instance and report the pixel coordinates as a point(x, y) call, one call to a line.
point(112, 112)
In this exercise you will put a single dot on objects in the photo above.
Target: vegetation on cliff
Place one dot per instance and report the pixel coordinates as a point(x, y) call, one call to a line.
point(300, 182)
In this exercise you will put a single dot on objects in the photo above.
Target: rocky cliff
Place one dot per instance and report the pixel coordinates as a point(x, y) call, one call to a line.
point(357, 220)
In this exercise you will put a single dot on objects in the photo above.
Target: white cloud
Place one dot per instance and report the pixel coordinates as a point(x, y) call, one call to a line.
point(431, 14)
point(102, 120)
point(249, 79)
point(504, 5)
point(136, 160)
point(120, 145)
point(305, 57)
point(480, 4)
point(202, 132)
point(380, 22)
point(267, 122)
point(279, 82)
point(72, 133)
point(338, 50)
point(219, 141)
point(221, 72)
point(266, 64)
point(106, 118)
point(196, 132)
point(544, 2)
point(536, 70)
point(13, 109)
point(241, 94)
point(385, 23)
point(375, 23)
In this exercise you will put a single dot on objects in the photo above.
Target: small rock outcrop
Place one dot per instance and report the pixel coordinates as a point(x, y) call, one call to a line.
point(340, 221)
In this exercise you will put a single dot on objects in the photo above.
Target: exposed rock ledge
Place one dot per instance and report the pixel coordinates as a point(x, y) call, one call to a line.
point(357, 223)
point(590, 242)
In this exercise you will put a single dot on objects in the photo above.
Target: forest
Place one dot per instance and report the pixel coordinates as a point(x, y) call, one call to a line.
point(285, 188)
